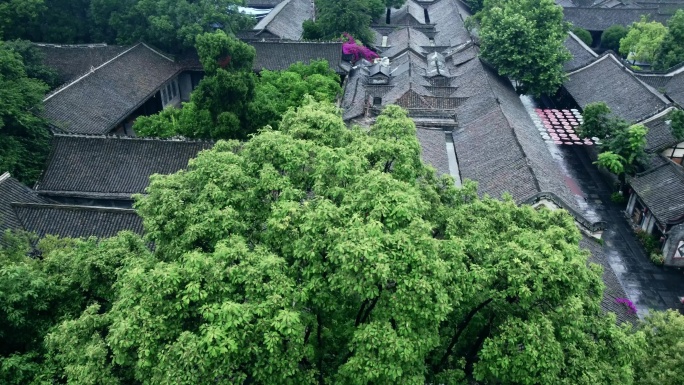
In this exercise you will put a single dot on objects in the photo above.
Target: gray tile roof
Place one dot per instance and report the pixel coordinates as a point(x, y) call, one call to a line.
point(262, 3)
point(661, 191)
point(279, 55)
point(433, 149)
point(76, 221)
point(581, 53)
point(411, 13)
point(72, 61)
point(613, 290)
point(285, 20)
point(11, 190)
point(98, 101)
point(671, 83)
point(607, 80)
point(111, 167)
point(599, 19)
point(448, 23)
point(659, 135)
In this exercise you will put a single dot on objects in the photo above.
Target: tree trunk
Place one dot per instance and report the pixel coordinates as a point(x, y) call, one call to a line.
point(459, 330)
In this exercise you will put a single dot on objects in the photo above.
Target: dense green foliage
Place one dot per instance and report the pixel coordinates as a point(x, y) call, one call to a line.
point(677, 123)
point(231, 102)
point(524, 40)
point(643, 40)
point(316, 254)
point(671, 51)
point(169, 24)
point(610, 38)
point(583, 34)
point(218, 106)
point(23, 135)
point(334, 17)
point(665, 342)
point(622, 145)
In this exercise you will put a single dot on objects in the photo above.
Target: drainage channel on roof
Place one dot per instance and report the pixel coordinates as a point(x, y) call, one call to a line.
point(453, 162)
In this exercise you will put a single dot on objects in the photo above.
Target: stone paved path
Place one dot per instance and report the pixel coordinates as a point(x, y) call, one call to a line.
point(647, 285)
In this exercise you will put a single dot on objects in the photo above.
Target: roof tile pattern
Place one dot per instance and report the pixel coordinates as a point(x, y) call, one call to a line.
point(659, 135)
point(77, 221)
point(661, 189)
point(72, 61)
point(11, 190)
point(279, 55)
point(98, 101)
point(433, 149)
point(599, 19)
point(581, 54)
point(606, 80)
point(112, 167)
point(285, 20)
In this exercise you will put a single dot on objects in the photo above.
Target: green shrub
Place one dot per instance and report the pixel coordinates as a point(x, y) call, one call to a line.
point(650, 243)
point(583, 34)
point(657, 258)
point(617, 197)
point(610, 38)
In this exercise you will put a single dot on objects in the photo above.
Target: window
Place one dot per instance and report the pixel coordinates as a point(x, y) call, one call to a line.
point(377, 101)
point(165, 98)
point(174, 88)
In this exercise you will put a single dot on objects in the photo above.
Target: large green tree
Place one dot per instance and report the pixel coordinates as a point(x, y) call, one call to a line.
point(643, 40)
point(524, 40)
point(23, 135)
point(671, 51)
point(319, 254)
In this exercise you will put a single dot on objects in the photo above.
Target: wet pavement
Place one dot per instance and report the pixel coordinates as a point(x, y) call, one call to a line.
point(647, 285)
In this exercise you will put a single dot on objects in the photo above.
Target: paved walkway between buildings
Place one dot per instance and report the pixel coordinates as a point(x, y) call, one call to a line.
point(647, 285)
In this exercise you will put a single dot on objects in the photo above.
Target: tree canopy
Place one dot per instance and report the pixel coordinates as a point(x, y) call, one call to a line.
point(524, 40)
point(168, 24)
point(317, 254)
point(643, 40)
point(23, 135)
point(335, 17)
point(230, 102)
point(610, 38)
point(671, 51)
point(622, 144)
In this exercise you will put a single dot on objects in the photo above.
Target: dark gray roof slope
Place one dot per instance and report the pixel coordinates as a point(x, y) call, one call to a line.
point(98, 101)
point(661, 191)
point(599, 19)
point(671, 83)
point(262, 3)
point(11, 190)
point(72, 61)
point(607, 80)
point(285, 20)
point(581, 53)
point(279, 55)
point(613, 290)
point(659, 135)
point(110, 167)
point(76, 221)
point(497, 144)
point(433, 149)
point(448, 24)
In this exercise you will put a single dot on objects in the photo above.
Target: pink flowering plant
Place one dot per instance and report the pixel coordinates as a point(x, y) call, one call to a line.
point(351, 47)
point(628, 303)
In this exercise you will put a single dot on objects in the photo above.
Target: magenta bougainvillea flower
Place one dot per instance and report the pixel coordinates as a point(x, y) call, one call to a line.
point(628, 303)
point(350, 47)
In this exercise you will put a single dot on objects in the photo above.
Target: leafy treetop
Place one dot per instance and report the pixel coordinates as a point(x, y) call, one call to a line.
point(524, 40)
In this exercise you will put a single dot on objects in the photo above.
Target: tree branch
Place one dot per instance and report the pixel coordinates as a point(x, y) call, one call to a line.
point(459, 330)
point(472, 354)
